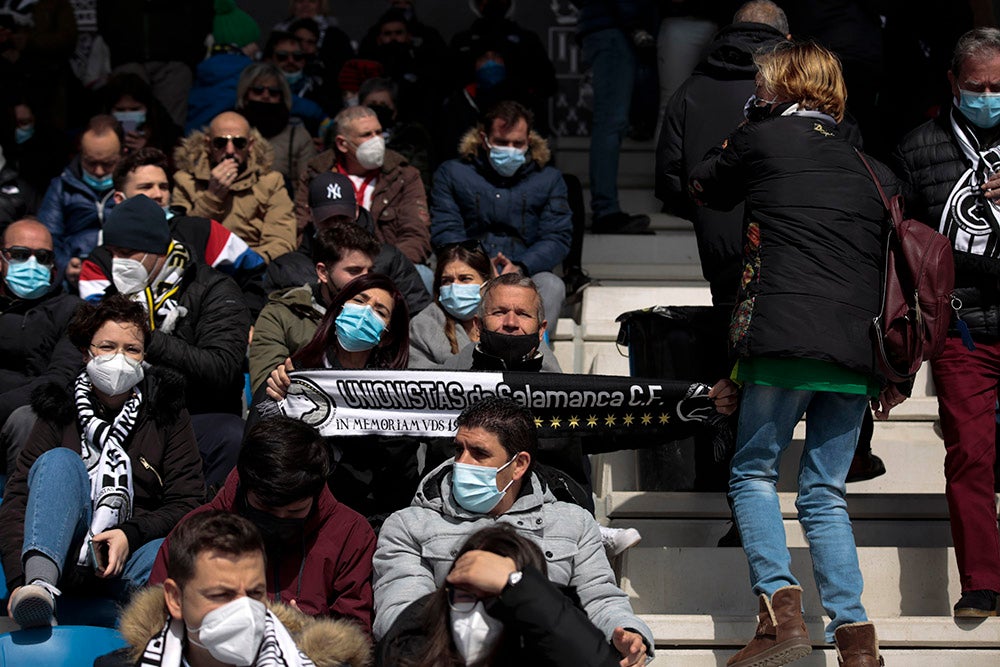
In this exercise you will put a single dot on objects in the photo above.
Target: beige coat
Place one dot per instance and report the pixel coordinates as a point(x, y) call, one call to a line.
point(257, 208)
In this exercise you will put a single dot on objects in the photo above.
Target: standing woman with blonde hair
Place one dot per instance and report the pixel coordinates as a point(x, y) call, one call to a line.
point(810, 287)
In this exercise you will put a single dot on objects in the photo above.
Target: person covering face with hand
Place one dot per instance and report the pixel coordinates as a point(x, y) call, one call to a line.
point(491, 482)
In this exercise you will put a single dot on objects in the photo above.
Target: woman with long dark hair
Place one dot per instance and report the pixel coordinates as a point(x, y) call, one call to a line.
point(365, 327)
point(462, 268)
point(497, 607)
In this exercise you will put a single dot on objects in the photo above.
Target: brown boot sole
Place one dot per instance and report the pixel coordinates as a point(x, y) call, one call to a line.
point(972, 612)
point(777, 655)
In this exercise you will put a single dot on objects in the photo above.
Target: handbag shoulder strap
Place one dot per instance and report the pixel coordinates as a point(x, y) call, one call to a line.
point(878, 184)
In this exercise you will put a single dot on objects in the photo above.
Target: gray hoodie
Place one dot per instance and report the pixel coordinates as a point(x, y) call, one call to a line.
point(417, 545)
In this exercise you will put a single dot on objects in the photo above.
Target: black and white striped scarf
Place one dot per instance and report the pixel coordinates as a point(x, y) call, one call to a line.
point(108, 465)
point(969, 220)
point(278, 649)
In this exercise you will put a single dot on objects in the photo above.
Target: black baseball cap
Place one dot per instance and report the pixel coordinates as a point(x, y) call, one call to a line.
point(332, 194)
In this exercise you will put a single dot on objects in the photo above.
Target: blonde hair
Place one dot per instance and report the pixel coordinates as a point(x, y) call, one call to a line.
point(806, 73)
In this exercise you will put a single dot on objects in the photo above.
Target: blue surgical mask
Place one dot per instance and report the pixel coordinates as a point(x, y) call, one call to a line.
point(167, 212)
point(28, 280)
point(475, 487)
point(294, 77)
point(506, 160)
point(460, 300)
point(97, 184)
point(982, 109)
point(22, 134)
point(358, 328)
point(490, 74)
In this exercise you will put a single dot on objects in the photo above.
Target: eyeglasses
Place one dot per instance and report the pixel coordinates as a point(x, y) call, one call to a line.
point(107, 347)
point(239, 143)
point(260, 90)
point(20, 253)
point(461, 601)
point(282, 56)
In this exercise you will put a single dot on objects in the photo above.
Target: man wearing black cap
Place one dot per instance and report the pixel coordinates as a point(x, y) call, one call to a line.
point(199, 319)
point(342, 249)
point(332, 200)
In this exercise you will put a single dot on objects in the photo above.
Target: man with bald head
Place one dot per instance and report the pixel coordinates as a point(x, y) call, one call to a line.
point(224, 173)
point(78, 200)
point(33, 319)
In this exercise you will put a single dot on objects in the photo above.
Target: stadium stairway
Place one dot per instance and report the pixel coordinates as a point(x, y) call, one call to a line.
point(695, 595)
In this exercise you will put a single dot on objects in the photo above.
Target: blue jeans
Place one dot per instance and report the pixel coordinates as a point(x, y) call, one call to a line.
point(833, 420)
point(611, 58)
point(58, 515)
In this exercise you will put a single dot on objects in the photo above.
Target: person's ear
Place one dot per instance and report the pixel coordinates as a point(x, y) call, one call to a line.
point(172, 597)
point(520, 465)
point(541, 330)
point(477, 323)
point(321, 274)
point(118, 196)
point(954, 85)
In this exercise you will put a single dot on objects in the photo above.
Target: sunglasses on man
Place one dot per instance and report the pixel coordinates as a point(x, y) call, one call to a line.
point(282, 56)
point(20, 253)
point(239, 143)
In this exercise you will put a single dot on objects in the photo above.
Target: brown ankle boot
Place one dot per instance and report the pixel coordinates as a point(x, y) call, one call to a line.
point(781, 635)
point(857, 645)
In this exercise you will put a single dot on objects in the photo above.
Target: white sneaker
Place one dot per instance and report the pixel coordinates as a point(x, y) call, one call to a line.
point(617, 540)
point(34, 605)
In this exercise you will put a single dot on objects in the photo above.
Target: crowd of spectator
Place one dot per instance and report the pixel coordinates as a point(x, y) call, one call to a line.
point(230, 203)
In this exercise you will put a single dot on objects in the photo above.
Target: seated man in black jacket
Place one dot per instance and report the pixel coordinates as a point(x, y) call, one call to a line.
point(199, 318)
point(30, 304)
point(332, 199)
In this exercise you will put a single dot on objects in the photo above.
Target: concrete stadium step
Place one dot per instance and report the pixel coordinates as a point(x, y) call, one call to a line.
point(705, 533)
point(919, 634)
point(899, 581)
point(626, 505)
point(666, 657)
point(636, 162)
point(665, 255)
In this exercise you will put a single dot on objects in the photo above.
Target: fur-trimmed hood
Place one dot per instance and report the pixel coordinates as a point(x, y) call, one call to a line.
point(538, 148)
point(163, 398)
point(192, 156)
point(327, 642)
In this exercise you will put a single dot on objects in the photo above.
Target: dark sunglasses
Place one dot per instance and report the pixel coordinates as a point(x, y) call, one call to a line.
point(239, 143)
point(289, 55)
point(20, 253)
point(260, 90)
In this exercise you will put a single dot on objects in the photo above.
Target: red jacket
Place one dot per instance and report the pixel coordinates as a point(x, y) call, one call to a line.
point(333, 577)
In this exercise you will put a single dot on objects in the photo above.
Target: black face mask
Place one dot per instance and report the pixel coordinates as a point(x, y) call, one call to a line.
point(270, 118)
point(277, 533)
point(513, 349)
point(384, 114)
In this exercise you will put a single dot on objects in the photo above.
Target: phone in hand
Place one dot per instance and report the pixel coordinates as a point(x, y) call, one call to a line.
point(99, 555)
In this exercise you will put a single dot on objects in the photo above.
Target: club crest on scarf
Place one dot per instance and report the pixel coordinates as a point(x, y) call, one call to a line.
point(969, 220)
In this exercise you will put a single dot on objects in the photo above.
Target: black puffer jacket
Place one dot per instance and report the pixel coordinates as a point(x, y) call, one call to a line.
point(930, 162)
point(34, 349)
point(813, 226)
point(209, 343)
point(702, 113)
point(166, 465)
point(542, 626)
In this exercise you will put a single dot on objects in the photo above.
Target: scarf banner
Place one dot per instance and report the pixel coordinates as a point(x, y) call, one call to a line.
point(427, 403)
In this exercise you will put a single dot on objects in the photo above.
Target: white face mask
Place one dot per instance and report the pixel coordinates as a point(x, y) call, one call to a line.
point(371, 154)
point(114, 374)
point(474, 632)
point(129, 275)
point(232, 633)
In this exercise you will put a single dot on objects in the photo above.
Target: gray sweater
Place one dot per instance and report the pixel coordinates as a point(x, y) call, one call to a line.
point(429, 347)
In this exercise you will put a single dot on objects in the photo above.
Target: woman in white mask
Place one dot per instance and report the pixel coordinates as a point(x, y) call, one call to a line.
point(496, 608)
point(111, 466)
point(439, 332)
